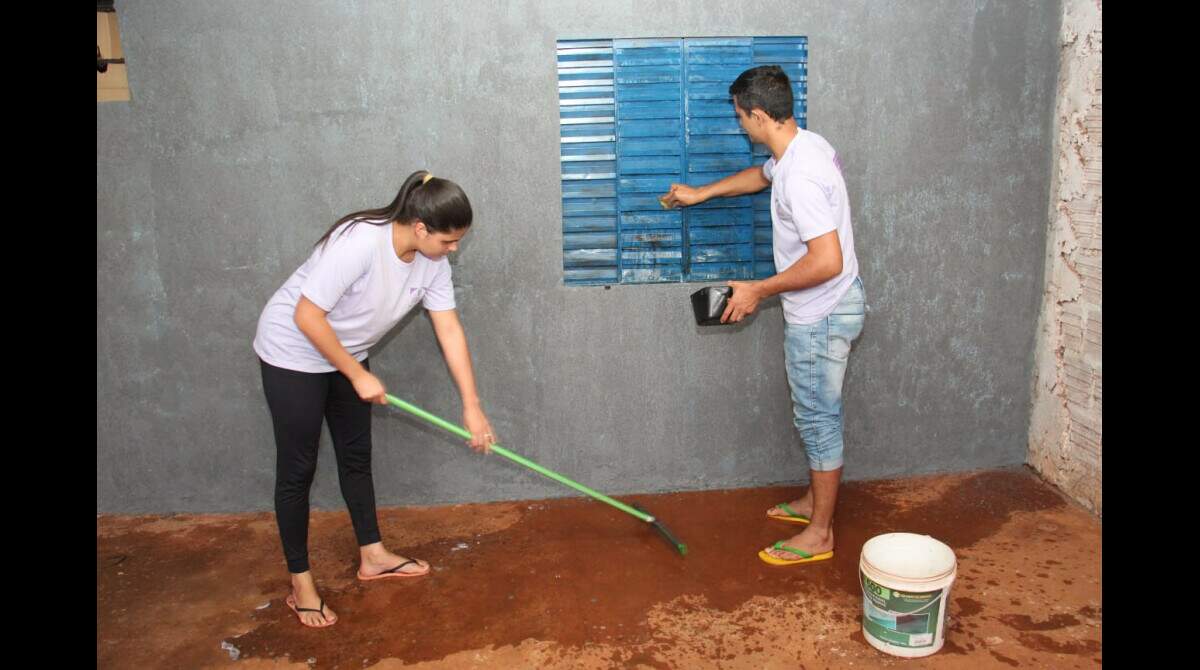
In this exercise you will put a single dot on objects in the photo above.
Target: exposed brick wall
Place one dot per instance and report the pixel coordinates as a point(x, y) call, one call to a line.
point(1066, 425)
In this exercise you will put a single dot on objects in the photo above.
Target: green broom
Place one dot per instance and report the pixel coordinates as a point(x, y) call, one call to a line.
point(517, 458)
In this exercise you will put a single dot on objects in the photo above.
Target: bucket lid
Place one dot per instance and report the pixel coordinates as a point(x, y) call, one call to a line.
point(909, 556)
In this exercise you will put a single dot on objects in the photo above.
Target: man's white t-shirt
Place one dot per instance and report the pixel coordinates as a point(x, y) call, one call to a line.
point(365, 288)
point(808, 199)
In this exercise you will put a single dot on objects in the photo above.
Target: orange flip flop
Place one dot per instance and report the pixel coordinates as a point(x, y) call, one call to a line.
point(393, 573)
point(290, 601)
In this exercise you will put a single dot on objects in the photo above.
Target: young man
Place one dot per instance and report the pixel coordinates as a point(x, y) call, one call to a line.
point(817, 280)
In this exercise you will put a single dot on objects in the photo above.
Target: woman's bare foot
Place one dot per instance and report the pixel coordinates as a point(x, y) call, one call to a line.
point(304, 597)
point(378, 563)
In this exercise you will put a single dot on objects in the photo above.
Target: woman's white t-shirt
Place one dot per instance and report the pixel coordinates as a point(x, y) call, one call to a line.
point(363, 285)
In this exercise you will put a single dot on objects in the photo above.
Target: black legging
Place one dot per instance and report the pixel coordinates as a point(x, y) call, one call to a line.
point(298, 401)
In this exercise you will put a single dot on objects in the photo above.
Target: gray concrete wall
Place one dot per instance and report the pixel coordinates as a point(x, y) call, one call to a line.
point(253, 126)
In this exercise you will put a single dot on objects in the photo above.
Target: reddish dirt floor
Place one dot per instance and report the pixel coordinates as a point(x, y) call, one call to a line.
point(573, 583)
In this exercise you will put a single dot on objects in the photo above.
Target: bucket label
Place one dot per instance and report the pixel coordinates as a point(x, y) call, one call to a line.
point(903, 618)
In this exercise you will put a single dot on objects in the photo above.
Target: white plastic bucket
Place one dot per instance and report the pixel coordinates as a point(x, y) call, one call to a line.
point(905, 580)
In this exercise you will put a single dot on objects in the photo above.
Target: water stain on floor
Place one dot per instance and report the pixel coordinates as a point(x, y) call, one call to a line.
point(571, 583)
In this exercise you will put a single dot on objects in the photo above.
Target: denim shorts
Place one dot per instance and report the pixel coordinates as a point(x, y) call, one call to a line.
point(816, 355)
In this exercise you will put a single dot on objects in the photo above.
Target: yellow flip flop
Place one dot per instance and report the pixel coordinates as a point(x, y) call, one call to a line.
point(792, 516)
point(805, 557)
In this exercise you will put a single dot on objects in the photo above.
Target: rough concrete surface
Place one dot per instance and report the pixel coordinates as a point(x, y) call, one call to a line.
point(254, 126)
point(572, 583)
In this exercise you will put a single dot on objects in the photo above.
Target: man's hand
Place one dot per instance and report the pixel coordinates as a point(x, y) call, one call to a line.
point(681, 195)
point(743, 302)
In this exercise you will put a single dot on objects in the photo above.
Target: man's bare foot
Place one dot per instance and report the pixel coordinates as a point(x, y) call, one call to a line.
point(799, 507)
point(811, 541)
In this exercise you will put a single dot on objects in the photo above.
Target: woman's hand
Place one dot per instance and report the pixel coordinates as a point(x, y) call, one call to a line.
point(370, 389)
point(482, 434)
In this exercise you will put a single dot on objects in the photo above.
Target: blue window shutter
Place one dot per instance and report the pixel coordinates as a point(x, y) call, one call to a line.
point(637, 115)
point(648, 75)
point(720, 232)
point(791, 54)
point(588, 156)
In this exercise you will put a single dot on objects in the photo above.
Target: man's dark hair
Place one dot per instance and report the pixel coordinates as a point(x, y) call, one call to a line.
point(765, 87)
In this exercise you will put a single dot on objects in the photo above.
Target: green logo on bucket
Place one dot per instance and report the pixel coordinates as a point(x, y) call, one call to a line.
point(879, 591)
point(899, 618)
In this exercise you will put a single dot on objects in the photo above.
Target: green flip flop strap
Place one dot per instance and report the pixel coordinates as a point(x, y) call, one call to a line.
point(801, 554)
point(791, 512)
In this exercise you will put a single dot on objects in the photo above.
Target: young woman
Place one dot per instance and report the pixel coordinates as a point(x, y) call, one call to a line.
point(365, 273)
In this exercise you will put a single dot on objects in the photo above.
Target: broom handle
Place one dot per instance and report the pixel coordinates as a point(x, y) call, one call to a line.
point(517, 458)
